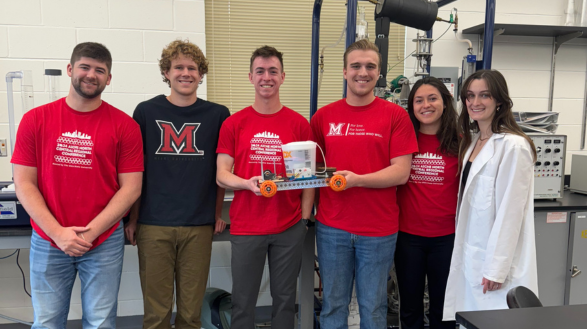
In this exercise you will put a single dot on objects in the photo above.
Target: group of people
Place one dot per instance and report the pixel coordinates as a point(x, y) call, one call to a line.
point(81, 165)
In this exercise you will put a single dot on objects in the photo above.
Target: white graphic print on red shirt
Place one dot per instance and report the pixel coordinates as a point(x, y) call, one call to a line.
point(349, 129)
point(428, 168)
point(74, 149)
point(265, 146)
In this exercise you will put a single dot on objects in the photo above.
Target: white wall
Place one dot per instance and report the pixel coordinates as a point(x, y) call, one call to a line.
point(40, 34)
point(524, 61)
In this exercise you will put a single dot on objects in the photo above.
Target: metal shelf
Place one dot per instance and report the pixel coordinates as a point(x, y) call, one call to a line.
point(529, 30)
point(559, 35)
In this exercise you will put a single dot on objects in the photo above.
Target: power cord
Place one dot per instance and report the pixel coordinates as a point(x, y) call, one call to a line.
point(9, 255)
point(21, 272)
point(17, 252)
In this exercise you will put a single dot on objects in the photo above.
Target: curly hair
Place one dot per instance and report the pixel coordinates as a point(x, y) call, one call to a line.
point(186, 48)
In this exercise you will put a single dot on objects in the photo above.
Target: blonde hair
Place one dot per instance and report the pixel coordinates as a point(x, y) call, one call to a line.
point(363, 44)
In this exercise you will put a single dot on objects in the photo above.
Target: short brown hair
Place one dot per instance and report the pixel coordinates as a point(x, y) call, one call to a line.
point(266, 52)
point(92, 50)
point(186, 48)
point(363, 44)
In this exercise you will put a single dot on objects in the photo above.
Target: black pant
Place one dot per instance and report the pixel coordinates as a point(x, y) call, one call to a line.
point(418, 257)
point(284, 255)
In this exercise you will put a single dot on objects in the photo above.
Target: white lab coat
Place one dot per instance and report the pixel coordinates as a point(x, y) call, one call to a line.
point(495, 227)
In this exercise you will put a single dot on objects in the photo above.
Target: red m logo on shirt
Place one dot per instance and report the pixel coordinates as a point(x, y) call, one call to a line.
point(182, 142)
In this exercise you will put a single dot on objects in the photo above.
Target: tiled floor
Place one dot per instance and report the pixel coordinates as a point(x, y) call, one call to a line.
point(127, 322)
point(135, 322)
point(262, 314)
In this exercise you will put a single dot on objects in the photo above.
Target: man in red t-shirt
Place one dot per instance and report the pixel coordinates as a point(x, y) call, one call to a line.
point(370, 141)
point(78, 166)
point(263, 227)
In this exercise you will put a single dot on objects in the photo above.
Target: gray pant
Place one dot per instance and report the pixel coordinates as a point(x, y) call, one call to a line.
point(284, 253)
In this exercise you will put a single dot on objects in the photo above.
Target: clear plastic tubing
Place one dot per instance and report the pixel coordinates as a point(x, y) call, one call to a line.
point(52, 78)
point(9, 95)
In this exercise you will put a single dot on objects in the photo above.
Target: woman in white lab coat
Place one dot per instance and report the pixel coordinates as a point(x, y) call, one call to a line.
point(494, 247)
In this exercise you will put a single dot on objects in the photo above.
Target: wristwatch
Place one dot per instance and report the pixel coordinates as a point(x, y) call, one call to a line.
point(308, 222)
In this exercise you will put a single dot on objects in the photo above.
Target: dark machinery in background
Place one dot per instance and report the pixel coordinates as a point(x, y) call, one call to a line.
point(419, 14)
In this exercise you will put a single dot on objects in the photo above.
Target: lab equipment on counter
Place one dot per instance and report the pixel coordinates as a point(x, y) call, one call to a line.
point(549, 169)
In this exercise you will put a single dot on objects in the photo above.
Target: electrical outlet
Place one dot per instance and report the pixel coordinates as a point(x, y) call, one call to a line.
point(3, 151)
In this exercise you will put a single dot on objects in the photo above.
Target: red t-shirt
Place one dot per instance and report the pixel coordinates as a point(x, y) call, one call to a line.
point(249, 136)
point(78, 156)
point(362, 139)
point(428, 202)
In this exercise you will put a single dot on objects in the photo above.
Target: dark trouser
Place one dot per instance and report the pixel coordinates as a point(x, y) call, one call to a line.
point(418, 257)
point(284, 255)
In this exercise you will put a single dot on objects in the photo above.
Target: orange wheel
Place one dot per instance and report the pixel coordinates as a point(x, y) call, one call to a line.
point(337, 183)
point(268, 188)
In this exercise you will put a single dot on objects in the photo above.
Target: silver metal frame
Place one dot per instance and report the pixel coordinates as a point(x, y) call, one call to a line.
point(556, 43)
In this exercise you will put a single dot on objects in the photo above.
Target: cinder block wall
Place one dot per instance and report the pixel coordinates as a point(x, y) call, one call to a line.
point(40, 34)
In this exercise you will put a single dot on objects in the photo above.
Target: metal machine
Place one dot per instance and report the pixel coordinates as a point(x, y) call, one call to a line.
point(578, 174)
point(549, 170)
point(419, 14)
point(449, 76)
point(12, 212)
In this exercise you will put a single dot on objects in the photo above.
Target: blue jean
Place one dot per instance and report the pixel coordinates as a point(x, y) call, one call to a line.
point(53, 273)
point(342, 257)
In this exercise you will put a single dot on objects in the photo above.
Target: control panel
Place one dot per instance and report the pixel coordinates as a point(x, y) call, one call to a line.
point(549, 169)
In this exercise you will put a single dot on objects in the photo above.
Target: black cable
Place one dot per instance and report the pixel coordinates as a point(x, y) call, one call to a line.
point(442, 34)
point(398, 63)
point(22, 272)
point(9, 255)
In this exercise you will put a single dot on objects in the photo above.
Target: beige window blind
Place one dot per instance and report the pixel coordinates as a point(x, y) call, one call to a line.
point(234, 28)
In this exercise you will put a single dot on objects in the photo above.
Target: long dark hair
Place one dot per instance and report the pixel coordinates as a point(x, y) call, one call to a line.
point(503, 120)
point(447, 134)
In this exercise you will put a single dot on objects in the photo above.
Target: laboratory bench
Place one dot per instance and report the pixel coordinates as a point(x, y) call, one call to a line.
point(561, 246)
point(560, 317)
point(18, 237)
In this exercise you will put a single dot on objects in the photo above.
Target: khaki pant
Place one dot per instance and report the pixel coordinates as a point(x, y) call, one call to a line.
point(173, 254)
